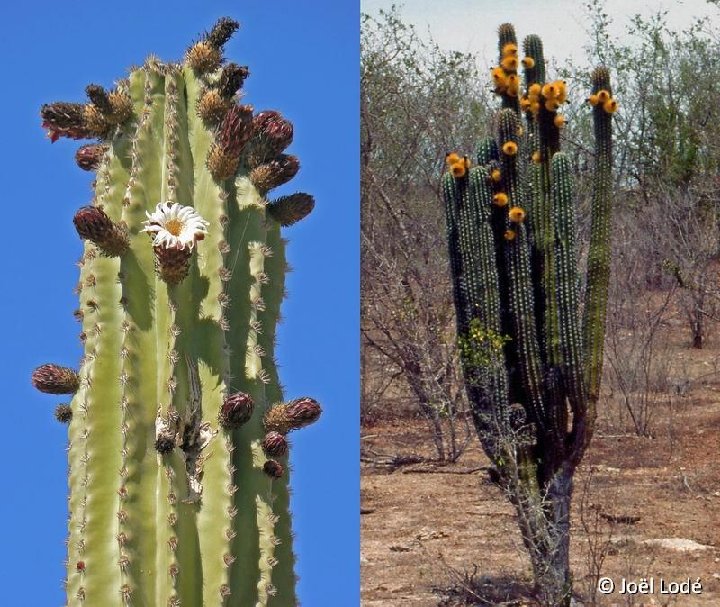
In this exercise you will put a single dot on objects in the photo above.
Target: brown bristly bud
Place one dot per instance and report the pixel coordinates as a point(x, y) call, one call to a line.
point(275, 444)
point(121, 105)
point(236, 129)
point(273, 469)
point(172, 265)
point(63, 413)
point(232, 78)
point(93, 224)
point(97, 122)
point(88, 157)
point(272, 134)
point(203, 57)
point(272, 174)
point(236, 410)
point(98, 96)
point(106, 110)
point(212, 107)
point(234, 132)
point(288, 210)
point(54, 379)
point(221, 32)
point(292, 415)
point(65, 120)
point(221, 165)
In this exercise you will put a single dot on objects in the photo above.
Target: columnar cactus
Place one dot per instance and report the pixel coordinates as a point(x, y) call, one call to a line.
point(532, 365)
point(178, 452)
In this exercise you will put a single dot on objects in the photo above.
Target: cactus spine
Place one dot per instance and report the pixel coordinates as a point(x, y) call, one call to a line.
point(532, 365)
point(174, 500)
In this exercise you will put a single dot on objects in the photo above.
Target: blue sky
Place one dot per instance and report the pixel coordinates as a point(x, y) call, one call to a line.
point(303, 58)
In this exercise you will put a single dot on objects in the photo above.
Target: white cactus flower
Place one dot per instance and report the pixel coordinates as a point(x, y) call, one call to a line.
point(175, 226)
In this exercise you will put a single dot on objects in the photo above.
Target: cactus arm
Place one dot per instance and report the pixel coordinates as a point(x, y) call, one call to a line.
point(207, 341)
point(274, 292)
point(506, 36)
point(598, 271)
point(517, 257)
point(245, 225)
point(453, 195)
point(139, 525)
point(568, 285)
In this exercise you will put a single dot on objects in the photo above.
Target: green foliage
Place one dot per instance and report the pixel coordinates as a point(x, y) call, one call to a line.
point(669, 82)
point(481, 346)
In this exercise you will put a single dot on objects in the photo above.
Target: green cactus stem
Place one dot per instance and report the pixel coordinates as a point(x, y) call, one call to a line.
point(532, 365)
point(178, 460)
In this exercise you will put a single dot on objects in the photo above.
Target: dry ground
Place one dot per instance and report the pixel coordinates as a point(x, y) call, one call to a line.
point(447, 537)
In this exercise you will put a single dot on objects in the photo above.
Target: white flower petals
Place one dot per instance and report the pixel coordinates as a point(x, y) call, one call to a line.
point(175, 226)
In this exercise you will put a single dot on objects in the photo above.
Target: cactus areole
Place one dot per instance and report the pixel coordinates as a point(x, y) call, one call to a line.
point(178, 496)
point(532, 364)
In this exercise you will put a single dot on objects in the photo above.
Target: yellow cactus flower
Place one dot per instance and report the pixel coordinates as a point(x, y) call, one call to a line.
point(593, 100)
point(509, 148)
point(510, 63)
point(452, 158)
point(536, 157)
point(524, 104)
point(495, 175)
point(550, 90)
point(509, 235)
point(458, 169)
point(500, 199)
point(559, 121)
point(603, 95)
point(552, 105)
point(534, 91)
point(610, 106)
point(498, 74)
point(535, 107)
point(528, 63)
point(509, 49)
point(516, 215)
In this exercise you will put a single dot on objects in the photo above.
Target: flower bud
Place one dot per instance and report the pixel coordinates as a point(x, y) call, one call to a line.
point(236, 410)
point(275, 444)
point(273, 469)
point(54, 379)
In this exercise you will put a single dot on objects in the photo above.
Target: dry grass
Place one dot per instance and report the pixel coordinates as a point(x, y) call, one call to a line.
point(449, 538)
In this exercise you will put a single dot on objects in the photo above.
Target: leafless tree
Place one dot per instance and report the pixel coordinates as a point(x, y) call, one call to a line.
point(417, 102)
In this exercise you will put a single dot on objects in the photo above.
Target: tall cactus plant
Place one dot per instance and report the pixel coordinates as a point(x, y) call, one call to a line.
point(532, 362)
point(177, 426)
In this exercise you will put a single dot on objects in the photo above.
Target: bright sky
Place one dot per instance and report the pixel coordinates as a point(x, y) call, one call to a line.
point(470, 25)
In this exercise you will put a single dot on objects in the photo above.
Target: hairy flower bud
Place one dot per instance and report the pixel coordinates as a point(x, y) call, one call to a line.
point(54, 379)
point(92, 223)
point(88, 157)
point(275, 444)
point(288, 210)
point(292, 415)
point(273, 469)
point(236, 410)
point(275, 173)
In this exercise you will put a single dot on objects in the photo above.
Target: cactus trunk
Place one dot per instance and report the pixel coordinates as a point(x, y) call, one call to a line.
point(532, 365)
point(174, 500)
